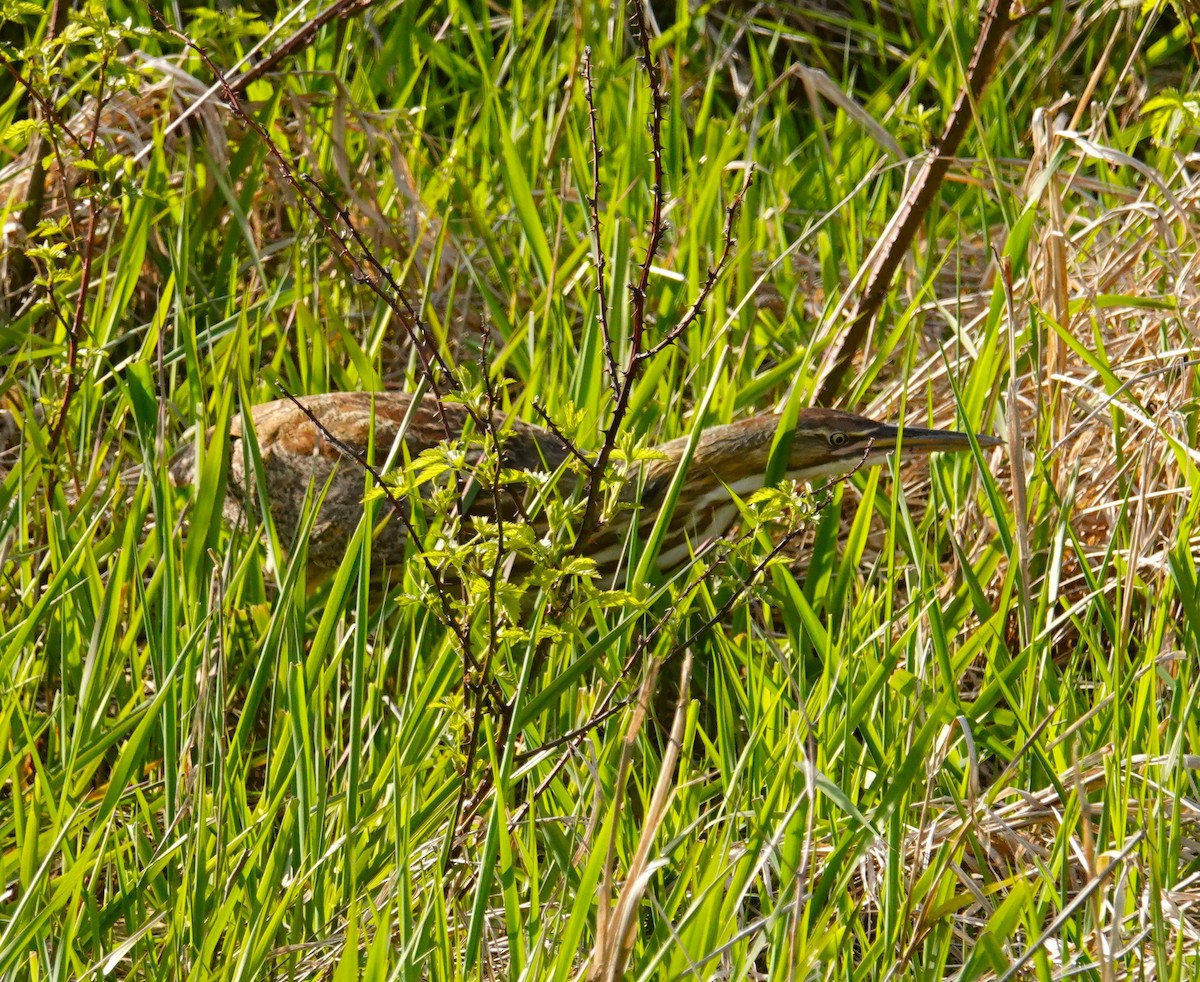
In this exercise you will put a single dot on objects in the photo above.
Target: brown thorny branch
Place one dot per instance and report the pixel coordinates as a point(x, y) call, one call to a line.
point(598, 256)
point(382, 284)
point(86, 146)
point(622, 381)
point(623, 386)
point(485, 684)
point(339, 10)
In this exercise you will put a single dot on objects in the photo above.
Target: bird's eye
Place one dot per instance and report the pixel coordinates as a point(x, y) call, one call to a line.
point(837, 439)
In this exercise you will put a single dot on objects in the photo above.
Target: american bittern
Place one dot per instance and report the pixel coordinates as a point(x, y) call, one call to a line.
point(297, 455)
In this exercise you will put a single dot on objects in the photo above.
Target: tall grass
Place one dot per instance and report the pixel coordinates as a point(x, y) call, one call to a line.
point(910, 747)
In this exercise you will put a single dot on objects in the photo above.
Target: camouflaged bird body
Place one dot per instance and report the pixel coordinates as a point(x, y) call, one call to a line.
point(298, 454)
point(728, 461)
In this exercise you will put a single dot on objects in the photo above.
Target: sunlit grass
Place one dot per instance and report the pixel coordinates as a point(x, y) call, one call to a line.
point(908, 748)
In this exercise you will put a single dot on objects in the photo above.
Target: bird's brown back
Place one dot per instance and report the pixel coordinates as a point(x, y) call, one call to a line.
point(297, 454)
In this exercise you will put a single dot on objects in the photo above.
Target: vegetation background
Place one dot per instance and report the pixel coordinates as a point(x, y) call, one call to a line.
point(949, 731)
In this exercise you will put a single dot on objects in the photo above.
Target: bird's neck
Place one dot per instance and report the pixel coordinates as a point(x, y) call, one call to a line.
point(726, 459)
point(732, 456)
point(730, 450)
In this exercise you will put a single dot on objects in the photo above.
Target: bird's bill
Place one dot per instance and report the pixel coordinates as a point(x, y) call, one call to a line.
point(917, 439)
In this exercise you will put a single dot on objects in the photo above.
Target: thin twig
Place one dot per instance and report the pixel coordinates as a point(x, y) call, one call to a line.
point(87, 150)
point(35, 194)
point(46, 105)
point(419, 333)
point(638, 291)
point(714, 273)
point(566, 441)
point(598, 257)
point(85, 273)
point(479, 688)
point(573, 736)
point(657, 226)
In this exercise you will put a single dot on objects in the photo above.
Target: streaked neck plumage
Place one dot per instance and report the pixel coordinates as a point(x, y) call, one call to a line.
point(732, 459)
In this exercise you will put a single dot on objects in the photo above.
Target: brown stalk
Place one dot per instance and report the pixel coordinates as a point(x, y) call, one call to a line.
point(484, 686)
point(36, 194)
point(624, 388)
point(714, 273)
point(86, 145)
point(339, 10)
point(658, 227)
point(85, 273)
point(890, 250)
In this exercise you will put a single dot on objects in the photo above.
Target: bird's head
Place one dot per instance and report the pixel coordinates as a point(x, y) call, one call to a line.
point(828, 443)
point(824, 444)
